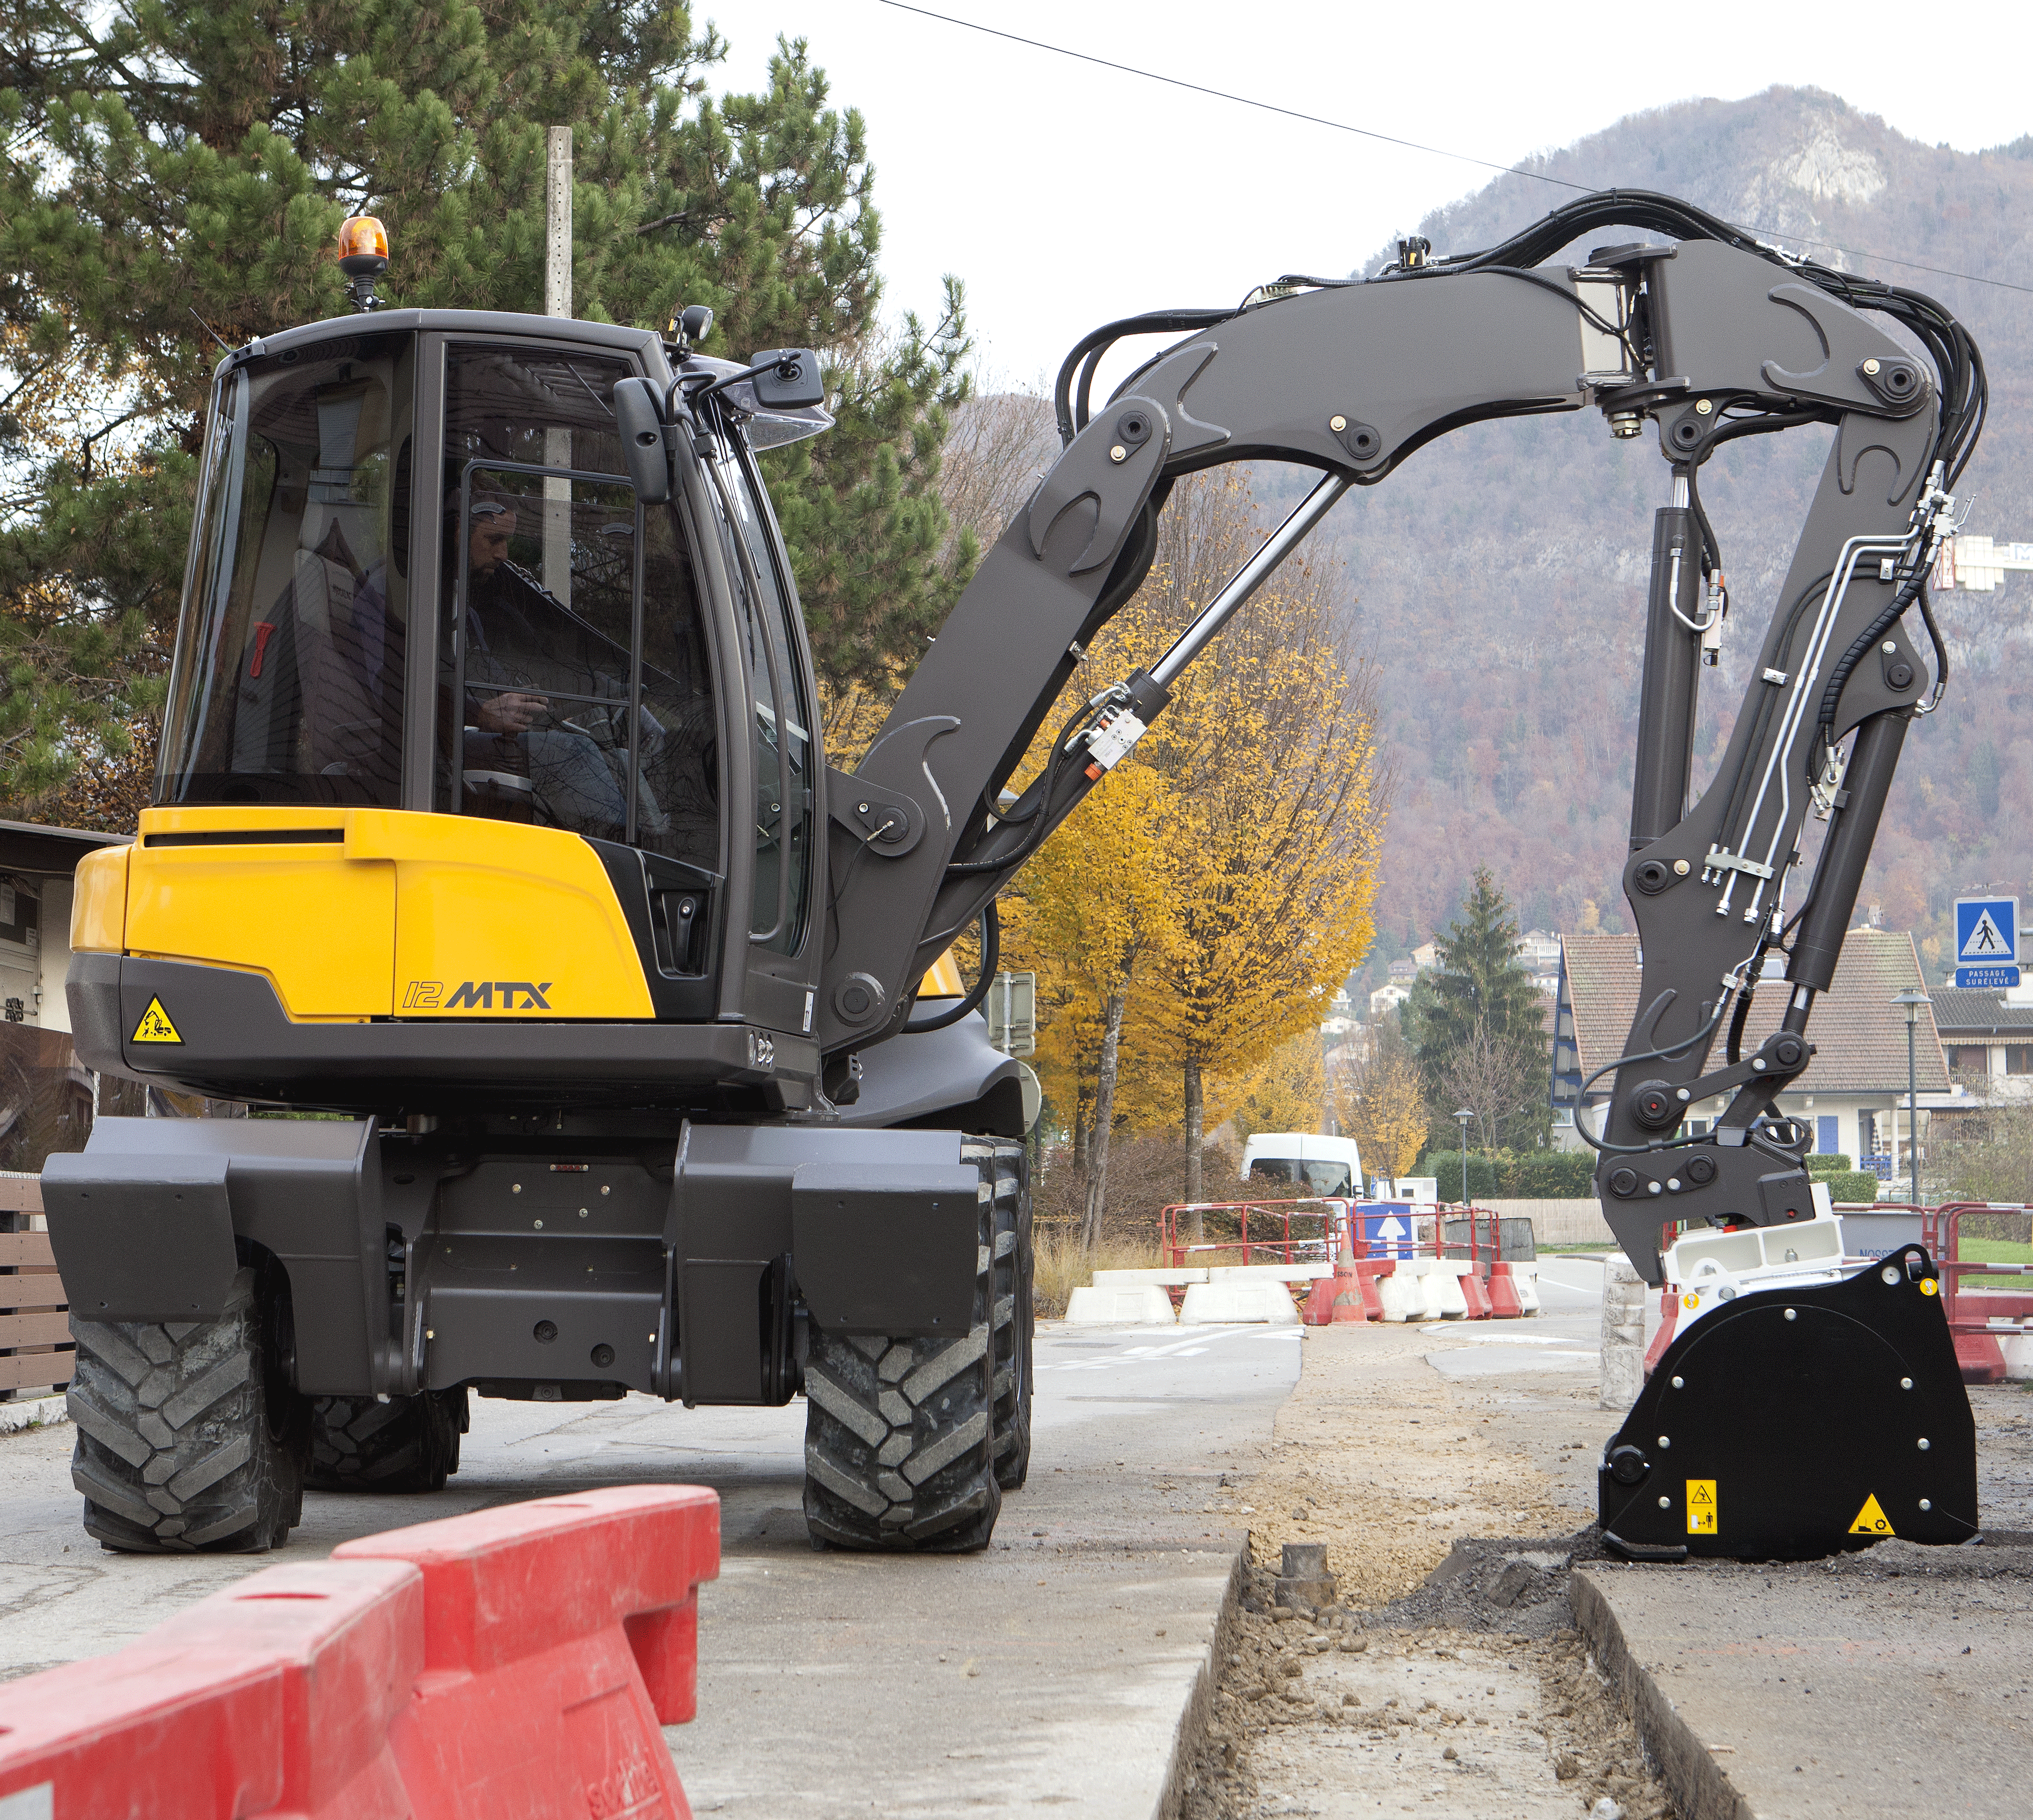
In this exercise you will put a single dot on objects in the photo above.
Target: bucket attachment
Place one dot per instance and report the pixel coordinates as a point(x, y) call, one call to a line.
point(1794, 1422)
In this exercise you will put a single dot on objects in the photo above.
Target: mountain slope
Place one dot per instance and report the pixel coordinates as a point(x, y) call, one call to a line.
point(1502, 572)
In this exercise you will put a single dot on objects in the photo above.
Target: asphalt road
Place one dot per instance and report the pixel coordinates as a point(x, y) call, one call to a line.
point(1052, 1670)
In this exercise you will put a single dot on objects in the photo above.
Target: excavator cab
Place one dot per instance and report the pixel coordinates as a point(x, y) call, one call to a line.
point(524, 731)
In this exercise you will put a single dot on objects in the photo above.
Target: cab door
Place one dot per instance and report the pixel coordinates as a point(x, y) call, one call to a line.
point(783, 753)
point(574, 708)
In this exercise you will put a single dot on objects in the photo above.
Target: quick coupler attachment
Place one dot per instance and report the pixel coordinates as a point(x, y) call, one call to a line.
point(1795, 1422)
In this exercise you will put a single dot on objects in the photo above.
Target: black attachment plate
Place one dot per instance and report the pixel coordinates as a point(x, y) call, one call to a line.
point(1778, 1427)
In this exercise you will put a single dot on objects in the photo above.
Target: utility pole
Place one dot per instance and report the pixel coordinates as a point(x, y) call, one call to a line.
point(558, 302)
point(1912, 998)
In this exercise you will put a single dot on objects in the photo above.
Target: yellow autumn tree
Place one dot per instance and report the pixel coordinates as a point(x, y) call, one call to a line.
point(1284, 1091)
point(1270, 744)
point(1262, 826)
point(1379, 1102)
point(1098, 904)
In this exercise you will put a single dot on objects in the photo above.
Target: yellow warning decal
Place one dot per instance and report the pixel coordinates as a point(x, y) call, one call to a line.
point(1928, 1286)
point(1701, 1507)
point(1871, 1521)
point(154, 1026)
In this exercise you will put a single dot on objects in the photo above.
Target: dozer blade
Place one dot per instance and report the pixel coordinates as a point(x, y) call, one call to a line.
point(1793, 1423)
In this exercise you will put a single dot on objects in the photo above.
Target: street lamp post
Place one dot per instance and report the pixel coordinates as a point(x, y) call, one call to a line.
point(1461, 1117)
point(1912, 998)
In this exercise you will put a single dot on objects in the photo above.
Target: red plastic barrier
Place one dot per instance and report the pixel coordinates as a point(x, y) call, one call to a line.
point(1370, 1272)
point(1504, 1303)
point(1318, 1311)
point(519, 1662)
point(1669, 1319)
point(1982, 1358)
point(275, 1696)
point(1476, 1294)
point(559, 1637)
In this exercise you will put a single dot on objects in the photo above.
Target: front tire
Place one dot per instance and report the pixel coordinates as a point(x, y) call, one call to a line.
point(1007, 1166)
point(405, 1443)
point(189, 1438)
point(900, 1433)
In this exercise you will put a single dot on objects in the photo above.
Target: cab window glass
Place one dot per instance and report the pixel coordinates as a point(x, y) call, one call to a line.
point(784, 747)
point(572, 645)
point(288, 681)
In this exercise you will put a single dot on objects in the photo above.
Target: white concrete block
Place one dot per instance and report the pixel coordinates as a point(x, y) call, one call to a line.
point(2018, 1351)
point(1526, 1278)
point(1139, 1305)
point(1446, 1290)
point(1304, 1272)
point(1135, 1279)
point(1224, 1303)
point(1401, 1296)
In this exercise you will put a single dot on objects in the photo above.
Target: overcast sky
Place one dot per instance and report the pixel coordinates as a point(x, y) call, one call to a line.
point(1066, 194)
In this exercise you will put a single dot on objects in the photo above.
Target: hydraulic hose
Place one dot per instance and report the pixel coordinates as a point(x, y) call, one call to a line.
point(991, 952)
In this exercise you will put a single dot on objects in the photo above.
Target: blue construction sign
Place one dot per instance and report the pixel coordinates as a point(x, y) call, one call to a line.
point(1389, 1228)
point(1987, 941)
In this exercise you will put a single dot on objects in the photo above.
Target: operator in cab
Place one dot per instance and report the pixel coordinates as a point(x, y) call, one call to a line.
point(546, 692)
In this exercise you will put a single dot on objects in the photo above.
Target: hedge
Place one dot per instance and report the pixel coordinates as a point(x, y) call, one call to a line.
point(1848, 1184)
point(1570, 1174)
point(1513, 1175)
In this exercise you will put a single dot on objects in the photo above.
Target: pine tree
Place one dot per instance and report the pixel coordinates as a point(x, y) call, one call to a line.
point(1478, 1003)
point(174, 172)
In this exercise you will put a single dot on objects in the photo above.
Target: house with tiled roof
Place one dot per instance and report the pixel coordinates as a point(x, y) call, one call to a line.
point(1989, 1041)
point(1852, 1098)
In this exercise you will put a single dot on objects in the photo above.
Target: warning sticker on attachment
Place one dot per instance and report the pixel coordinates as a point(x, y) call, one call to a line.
point(154, 1026)
point(1701, 1507)
point(1871, 1520)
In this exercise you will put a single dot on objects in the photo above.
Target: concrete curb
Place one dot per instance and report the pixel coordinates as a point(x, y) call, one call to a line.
point(38, 1412)
point(1699, 1785)
point(1199, 1713)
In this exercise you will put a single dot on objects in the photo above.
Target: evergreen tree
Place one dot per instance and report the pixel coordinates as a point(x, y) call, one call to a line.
point(175, 171)
point(1475, 1013)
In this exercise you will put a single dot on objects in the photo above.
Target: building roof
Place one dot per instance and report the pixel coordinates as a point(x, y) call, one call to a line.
point(29, 846)
point(1960, 1012)
point(1858, 1034)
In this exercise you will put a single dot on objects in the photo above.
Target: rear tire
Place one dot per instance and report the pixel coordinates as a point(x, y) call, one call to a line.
point(1007, 1165)
point(900, 1434)
point(189, 1438)
point(407, 1443)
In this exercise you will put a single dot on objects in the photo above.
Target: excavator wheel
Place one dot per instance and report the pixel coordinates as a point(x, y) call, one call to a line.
point(1008, 1165)
point(189, 1438)
point(405, 1443)
point(900, 1434)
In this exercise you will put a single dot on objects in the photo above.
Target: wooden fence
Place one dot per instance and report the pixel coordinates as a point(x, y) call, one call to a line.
point(35, 1349)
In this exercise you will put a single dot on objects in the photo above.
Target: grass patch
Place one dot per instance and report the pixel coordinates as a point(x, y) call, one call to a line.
point(1062, 1266)
point(1995, 1251)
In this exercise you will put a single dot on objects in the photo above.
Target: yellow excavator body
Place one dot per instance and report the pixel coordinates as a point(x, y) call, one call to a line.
point(352, 914)
point(369, 912)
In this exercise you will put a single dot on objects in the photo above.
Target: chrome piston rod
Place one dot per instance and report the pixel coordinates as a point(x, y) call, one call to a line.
point(1249, 578)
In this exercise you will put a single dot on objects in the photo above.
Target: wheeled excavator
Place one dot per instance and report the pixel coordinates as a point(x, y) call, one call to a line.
point(594, 1023)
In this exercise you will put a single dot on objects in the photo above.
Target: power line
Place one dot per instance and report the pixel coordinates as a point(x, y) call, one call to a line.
point(1244, 100)
point(1411, 144)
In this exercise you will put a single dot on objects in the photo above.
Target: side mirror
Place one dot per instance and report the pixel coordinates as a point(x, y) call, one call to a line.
point(640, 425)
point(788, 379)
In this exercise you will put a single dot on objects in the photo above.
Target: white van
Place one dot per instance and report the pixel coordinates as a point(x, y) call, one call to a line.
point(1304, 1162)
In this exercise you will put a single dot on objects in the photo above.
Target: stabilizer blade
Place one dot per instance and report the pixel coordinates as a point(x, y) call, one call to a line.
point(1794, 1423)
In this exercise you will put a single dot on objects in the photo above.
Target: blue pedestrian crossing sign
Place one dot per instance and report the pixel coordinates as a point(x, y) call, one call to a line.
point(1987, 941)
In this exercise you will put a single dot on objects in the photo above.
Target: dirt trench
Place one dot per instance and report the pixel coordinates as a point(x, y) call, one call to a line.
point(1446, 1676)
